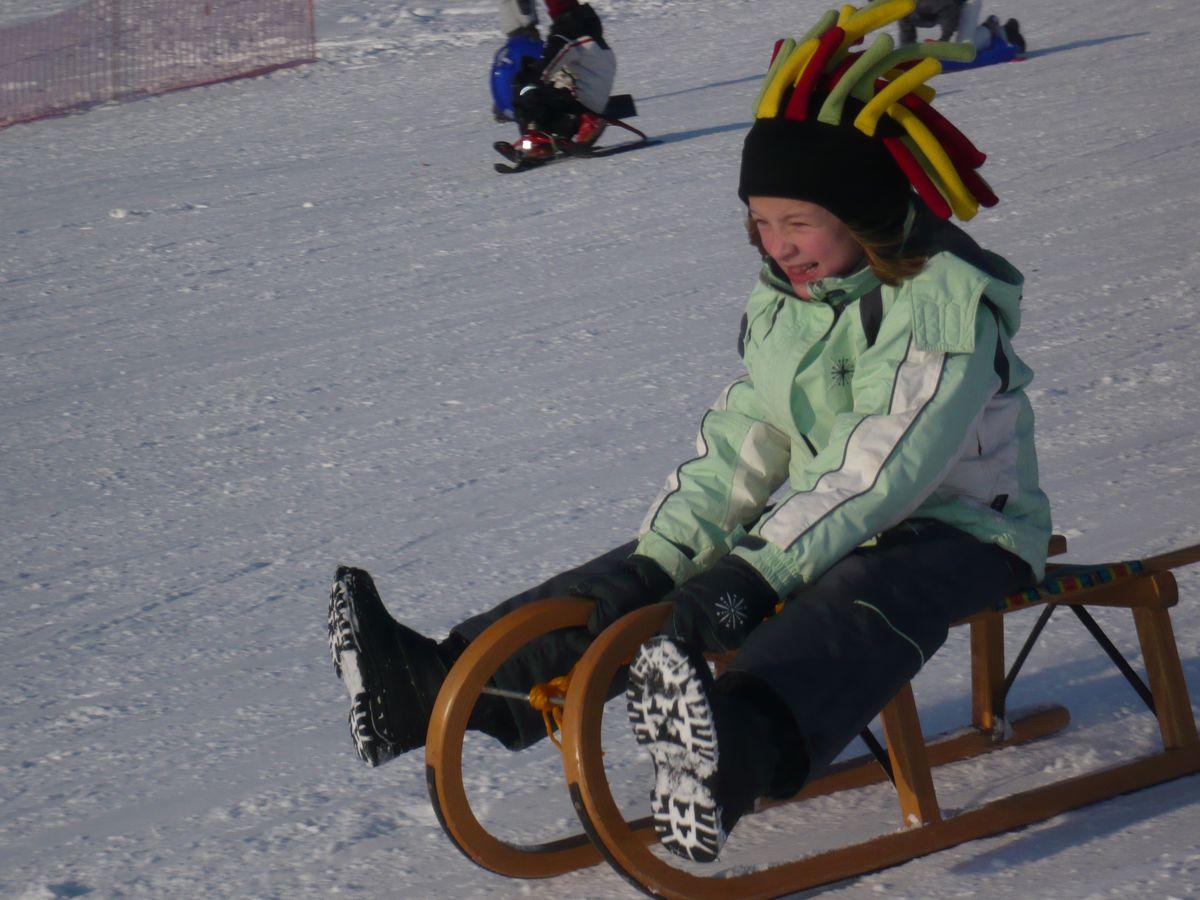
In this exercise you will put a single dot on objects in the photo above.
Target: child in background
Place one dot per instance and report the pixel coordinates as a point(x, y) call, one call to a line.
point(960, 17)
point(561, 97)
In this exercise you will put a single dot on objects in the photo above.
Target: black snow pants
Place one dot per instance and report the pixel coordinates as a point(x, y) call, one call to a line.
point(544, 107)
point(844, 645)
point(837, 653)
point(546, 657)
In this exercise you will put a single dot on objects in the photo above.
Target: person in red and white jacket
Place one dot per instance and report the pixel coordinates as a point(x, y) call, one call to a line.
point(562, 96)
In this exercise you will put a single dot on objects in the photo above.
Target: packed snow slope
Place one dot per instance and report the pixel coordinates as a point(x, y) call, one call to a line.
point(257, 329)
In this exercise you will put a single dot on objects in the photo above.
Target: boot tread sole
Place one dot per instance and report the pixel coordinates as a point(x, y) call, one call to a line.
point(673, 720)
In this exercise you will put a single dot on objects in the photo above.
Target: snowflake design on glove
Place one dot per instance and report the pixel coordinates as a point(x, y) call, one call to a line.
point(731, 611)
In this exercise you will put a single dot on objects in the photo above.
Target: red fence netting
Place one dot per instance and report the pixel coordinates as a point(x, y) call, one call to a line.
point(119, 49)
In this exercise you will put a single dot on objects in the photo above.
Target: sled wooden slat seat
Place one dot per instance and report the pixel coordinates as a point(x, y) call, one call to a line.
point(1146, 587)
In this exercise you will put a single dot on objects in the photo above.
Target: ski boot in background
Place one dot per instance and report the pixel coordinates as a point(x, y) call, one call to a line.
point(536, 145)
point(532, 149)
point(1012, 33)
point(591, 126)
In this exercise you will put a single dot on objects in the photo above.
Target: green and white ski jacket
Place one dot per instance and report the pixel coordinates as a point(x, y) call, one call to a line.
point(875, 404)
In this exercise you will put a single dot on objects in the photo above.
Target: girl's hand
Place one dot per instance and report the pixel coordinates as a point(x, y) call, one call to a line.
point(718, 609)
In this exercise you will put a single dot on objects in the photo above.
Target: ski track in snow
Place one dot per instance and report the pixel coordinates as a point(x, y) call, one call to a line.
point(257, 329)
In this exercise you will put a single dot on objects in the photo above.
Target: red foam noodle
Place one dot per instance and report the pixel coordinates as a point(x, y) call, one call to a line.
point(965, 154)
point(775, 52)
point(981, 190)
point(797, 107)
point(912, 170)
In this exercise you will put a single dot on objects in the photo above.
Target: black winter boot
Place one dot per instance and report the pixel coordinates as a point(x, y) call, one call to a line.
point(392, 673)
point(1012, 33)
point(716, 746)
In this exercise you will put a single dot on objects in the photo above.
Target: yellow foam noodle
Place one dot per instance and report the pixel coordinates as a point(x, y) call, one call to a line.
point(925, 91)
point(874, 16)
point(785, 50)
point(962, 203)
point(858, 26)
point(767, 105)
point(924, 163)
point(783, 79)
point(868, 119)
point(845, 13)
point(831, 109)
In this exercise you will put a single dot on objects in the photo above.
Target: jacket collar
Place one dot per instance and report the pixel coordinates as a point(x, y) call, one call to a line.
point(833, 291)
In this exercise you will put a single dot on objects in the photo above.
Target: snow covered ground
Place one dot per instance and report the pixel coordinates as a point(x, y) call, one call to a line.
point(256, 329)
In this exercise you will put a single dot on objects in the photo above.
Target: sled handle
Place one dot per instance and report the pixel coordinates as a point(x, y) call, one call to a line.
point(1161, 562)
point(622, 124)
point(1172, 559)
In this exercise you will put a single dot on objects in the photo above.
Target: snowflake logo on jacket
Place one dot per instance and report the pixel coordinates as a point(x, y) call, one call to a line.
point(731, 611)
point(842, 371)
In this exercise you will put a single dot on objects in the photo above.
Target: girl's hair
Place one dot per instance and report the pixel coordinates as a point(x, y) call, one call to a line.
point(883, 248)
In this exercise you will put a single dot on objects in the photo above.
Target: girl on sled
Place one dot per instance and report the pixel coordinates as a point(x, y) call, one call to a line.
point(868, 481)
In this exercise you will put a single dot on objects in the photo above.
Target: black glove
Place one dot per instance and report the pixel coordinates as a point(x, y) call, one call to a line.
point(634, 582)
point(718, 609)
point(529, 72)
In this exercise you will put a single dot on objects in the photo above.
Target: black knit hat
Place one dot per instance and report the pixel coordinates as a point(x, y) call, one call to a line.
point(837, 167)
point(854, 131)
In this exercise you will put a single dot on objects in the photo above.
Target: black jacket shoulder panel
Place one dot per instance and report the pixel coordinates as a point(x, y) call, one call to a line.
point(932, 235)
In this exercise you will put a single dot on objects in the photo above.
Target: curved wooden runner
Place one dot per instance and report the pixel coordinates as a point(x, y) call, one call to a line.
point(465, 682)
point(443, 748)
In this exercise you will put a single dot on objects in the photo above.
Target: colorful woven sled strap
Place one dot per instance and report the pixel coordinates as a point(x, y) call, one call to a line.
point(887, 84)
point(547, 698)
point(1068, 580)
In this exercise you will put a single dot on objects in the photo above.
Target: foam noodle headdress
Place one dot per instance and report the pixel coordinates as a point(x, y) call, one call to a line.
point(853, 130)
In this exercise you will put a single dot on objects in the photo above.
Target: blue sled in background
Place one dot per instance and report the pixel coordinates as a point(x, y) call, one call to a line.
point(998, 51)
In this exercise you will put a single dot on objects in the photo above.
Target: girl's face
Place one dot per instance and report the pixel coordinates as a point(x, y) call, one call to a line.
point(807, 241)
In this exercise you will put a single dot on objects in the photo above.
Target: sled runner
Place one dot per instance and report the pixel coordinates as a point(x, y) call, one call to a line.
point(566, 149)
point(575, 704)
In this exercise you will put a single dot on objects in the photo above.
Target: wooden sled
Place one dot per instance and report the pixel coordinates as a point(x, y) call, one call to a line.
point(1146, 587)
